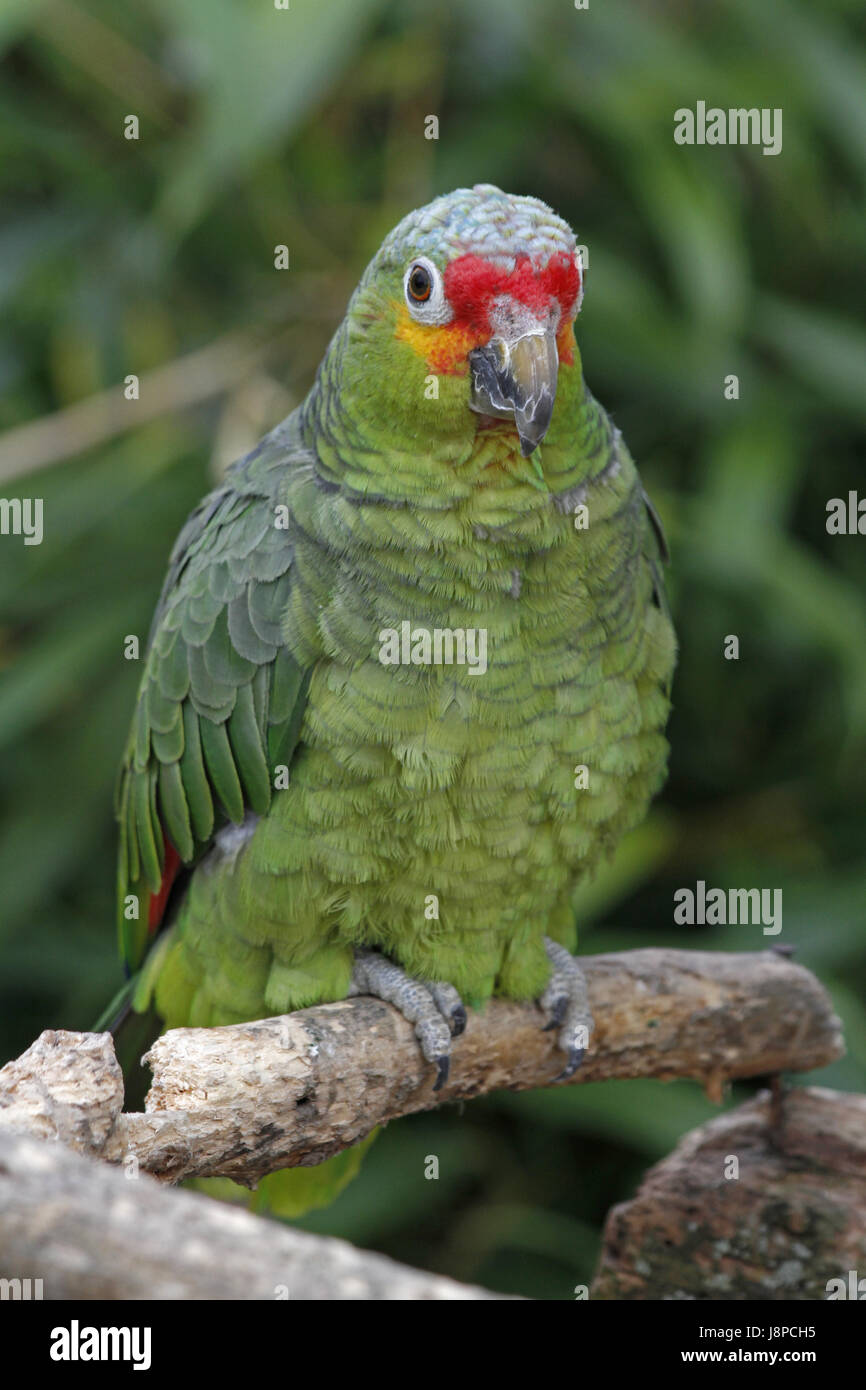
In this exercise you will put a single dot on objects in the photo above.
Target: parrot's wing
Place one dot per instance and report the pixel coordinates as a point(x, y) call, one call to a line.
point(657, 553)
point(221, 698)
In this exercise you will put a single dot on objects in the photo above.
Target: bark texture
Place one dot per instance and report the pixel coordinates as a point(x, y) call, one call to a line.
point(245, 1100)
point(792, 1219)
point(89, 1231)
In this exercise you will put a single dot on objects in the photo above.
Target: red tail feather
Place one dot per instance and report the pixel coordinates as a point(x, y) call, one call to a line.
point(159, 900)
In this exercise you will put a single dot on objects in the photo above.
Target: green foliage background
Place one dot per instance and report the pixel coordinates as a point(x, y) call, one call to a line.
point(306, 127)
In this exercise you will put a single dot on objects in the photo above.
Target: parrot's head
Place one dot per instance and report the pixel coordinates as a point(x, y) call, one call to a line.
point(463, 324)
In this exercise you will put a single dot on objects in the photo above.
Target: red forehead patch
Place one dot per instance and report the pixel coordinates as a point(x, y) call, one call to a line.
point(472, 283)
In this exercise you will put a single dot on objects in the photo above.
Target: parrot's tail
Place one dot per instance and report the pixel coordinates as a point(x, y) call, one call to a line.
point(133, 1034)
point(114, 1013)
point(292, 1192)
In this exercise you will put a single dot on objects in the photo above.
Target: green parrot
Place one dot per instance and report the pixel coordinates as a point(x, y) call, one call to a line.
point(409, 672)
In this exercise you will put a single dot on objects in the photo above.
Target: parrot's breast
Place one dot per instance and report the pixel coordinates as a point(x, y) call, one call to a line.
point(484, 724)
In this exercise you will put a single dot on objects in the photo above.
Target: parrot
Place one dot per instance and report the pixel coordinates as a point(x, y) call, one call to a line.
point(408, 678)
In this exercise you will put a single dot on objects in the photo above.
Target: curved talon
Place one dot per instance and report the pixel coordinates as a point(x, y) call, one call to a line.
point(557, 1013)
point(575, 1057)
point(458, 1021)
point(443, 1066)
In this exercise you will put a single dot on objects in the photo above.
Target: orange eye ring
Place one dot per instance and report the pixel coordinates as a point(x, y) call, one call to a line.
point(419, 284)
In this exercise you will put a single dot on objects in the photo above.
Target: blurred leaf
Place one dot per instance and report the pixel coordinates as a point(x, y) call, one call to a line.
point(823, 351)
point(261, 70)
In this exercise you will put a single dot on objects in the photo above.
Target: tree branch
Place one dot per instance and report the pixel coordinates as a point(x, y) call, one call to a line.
point(245, 1100)
point(765, 1202)
point(84, 1231)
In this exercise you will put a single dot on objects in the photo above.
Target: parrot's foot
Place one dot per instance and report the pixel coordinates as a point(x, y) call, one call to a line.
point(435, 1008)
point(566, 1002)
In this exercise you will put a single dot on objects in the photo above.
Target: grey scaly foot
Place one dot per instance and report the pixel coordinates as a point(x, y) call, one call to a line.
point(567, 1003)
point(435, 1008)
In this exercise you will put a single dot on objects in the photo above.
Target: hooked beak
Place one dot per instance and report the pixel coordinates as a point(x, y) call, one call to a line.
point(515, 378)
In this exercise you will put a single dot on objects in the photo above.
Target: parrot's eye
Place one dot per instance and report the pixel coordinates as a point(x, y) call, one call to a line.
point(425, 292)
point(420, 283)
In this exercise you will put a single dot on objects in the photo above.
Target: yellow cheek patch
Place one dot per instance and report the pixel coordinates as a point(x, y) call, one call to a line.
point(444, 346)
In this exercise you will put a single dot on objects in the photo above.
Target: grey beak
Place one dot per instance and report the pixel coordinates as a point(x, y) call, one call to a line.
point(516, 379)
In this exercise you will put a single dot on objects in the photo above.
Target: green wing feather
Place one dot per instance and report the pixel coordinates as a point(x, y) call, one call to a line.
point(657, 553)
point(221, 699)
